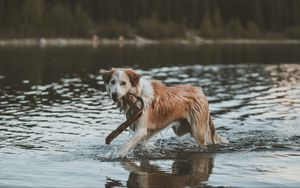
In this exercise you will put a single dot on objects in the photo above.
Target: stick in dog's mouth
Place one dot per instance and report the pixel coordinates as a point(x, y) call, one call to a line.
point(136, 104)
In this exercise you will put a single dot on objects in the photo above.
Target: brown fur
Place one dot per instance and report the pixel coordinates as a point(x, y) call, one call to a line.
point(106, 75)
point(133, 76)
point(172, 104)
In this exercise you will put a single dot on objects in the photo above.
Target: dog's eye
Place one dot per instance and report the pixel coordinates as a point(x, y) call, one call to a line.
point(113, 82)
point(123, 83)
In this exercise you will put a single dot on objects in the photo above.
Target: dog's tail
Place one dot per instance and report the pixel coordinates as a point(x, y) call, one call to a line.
point(216, 139)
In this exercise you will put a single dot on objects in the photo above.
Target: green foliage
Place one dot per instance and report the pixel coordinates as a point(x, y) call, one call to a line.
point(66, 22)
point(234, 29)
point(212, 27)
point(154, 29)
point(82, 21)
point(294, 32)
point(32, 11)
point(252, 30)
point(218, 23)
point(114, 29)
point(112, 18)
point(207, 27)
point(61, 20)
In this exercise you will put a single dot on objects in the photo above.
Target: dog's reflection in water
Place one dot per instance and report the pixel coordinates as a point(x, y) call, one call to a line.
point(193, 170)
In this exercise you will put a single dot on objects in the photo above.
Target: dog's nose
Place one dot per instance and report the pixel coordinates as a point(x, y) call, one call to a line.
point(114, 96)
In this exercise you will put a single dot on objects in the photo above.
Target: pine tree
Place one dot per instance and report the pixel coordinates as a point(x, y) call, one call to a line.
point(207, 27)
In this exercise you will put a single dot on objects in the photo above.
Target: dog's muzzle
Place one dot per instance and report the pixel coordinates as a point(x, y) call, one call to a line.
point(114, 97)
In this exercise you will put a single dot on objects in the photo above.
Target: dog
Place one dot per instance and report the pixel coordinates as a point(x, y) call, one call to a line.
point(193, 171)
point(183, 107)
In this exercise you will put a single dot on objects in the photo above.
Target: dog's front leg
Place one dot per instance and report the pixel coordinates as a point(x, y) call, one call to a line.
point(136, 138)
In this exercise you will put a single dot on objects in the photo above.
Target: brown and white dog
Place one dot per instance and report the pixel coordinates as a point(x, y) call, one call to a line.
point(185, 108)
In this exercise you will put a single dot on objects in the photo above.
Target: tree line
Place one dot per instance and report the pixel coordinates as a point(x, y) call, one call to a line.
point(155, 19)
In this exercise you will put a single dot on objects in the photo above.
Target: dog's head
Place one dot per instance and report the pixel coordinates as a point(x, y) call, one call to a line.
point(119, 82)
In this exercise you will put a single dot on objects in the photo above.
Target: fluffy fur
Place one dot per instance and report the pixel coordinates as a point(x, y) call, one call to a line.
point(183, 107)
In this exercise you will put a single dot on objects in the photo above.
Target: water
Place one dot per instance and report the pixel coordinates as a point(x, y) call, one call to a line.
point(55, 115)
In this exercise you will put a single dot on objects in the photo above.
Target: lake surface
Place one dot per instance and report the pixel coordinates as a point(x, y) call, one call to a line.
point(55, 115)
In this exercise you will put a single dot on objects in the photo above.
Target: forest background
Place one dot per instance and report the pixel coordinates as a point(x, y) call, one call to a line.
point(152, 19)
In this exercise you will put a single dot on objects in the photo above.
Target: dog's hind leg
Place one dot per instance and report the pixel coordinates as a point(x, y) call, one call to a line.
point(201, 130)
point(198, 132)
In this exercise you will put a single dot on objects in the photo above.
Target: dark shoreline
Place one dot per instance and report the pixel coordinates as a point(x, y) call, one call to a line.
point(138, 41)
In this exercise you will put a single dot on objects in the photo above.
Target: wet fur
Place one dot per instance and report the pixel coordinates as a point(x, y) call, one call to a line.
point(185, 108)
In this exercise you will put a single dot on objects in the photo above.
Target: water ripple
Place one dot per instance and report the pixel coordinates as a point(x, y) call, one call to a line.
point(257, 107)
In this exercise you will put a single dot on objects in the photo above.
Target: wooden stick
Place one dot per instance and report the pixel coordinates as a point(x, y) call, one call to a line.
point(137, 112)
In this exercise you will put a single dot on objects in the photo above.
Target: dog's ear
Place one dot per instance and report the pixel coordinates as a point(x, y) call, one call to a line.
point(133, 76)
point(106, 75)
